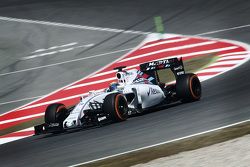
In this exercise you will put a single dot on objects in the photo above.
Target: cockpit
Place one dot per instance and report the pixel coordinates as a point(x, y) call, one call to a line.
point(131, 77)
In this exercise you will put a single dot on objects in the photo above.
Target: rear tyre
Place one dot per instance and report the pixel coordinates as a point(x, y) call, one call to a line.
point(188, 87)
point(116, 107)
point(55, 113)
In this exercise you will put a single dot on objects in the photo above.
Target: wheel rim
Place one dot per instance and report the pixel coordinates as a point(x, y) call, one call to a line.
point(196, 87)
point(121, 107)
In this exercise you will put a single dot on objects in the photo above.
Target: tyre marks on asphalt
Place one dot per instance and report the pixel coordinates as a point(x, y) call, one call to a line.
point(230, 55)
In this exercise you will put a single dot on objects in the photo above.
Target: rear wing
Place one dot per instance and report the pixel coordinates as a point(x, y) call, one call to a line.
point(175, 64)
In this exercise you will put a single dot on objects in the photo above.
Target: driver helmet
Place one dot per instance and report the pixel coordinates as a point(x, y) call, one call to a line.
point(113, 86)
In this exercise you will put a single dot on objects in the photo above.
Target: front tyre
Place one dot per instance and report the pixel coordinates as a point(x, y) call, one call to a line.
point(188, 87)
point(116, 107)
point(55, 113)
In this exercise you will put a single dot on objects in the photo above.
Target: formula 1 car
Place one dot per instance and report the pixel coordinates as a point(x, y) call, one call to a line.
point(134, 92)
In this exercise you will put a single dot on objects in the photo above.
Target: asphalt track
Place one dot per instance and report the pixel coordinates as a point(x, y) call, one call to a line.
point(225, 98)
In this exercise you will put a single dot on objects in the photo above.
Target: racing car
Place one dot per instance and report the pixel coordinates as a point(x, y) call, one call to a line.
point(134, 92)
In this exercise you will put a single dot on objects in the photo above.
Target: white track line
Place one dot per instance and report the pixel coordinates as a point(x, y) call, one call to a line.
point(104, 73)
point(66, 50)
point(24, 99)
point(27, 129)
point(234, 53)
point(53, 101)
point(222, 30)
point(91, 83)
point(106, 29)
point(64, 62)
point(233, 57)
point(38, 55)
point(170, 49)
point(10, 139)
point(72, 26)
point(58, 100)
point(21, 118)
point(159, 144)
point(55, 52)
point(13, 138)
point(55, 47)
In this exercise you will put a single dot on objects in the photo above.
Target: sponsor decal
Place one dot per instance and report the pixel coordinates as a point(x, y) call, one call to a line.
point(150, 68)
point(102, 118)
point(178, 68)
point(157, 63)
point(153, 91)
point(180, 73)
point(161, 64)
